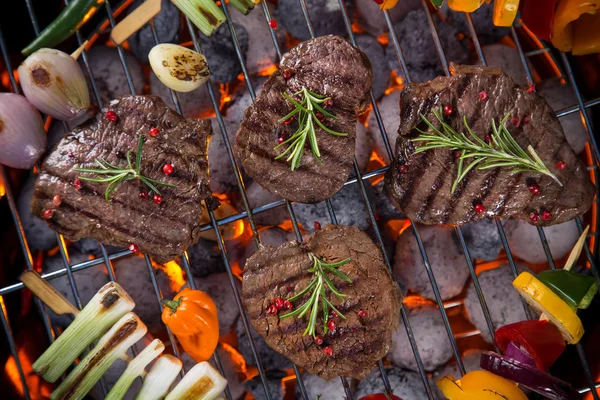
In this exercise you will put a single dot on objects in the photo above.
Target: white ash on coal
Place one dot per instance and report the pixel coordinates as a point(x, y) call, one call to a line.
point(194, 104)
point(445, 256)
point(372, 20)
point(219, 289)
point(258, 196)
point(482, 239)
point(220, 52)
point(388, 110)
point(317, 387)
point(506, 58)
point(325, 15)
point(274, 384)
point(501, 298)
point(376, 54)
point(430, 334)
point(407, 385)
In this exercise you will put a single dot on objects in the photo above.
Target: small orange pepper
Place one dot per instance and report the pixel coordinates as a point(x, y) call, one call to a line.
point(192, 317)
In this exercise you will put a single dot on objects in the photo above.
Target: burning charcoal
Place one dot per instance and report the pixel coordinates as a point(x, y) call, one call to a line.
point(276, 389)
point(234, 367)
point(257, 196)
point(348, 206)
point(219, 289)
point(560, 96)
point(222, 173)
point(325, 15)
point(373, 20)
point(166, 24)
point(381, 71)
point(109, 75)
point(486, 32)
point(419, 49)
point(38, 233)
point(506, 58)
point(269, 358)
point(405, 384)
point(364, 146)
point(317, 387)
point(88, 282)
point(194, 104)
point(524, 240)
point(382, 206)
point(221, 55)
point(205, 258)
point(261, 53)
point(241, 100)
point(430, 335)
point(445, 255)
point(132, 274)
point(388, 109)
point(501, 298)
point(273, 236)
point(482, 239)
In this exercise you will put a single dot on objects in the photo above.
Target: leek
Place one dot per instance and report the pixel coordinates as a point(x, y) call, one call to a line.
point(135, 369)
point(243, 6)
point(160, 378)
point(202, 382)
point(113, 345)
point(104, 309)
point(205, 14)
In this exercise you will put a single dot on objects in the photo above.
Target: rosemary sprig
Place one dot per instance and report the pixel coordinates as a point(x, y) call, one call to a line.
point(117, 175)
point(318, 298)
point(501, 151)
point(311, 103)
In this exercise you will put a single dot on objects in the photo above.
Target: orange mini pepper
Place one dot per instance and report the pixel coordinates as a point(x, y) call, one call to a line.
point(573, 29)
point(192, 317)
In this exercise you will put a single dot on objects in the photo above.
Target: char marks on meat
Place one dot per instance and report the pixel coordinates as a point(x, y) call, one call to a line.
point(329, 66)
point(422, 187)
point(357, 343)
point(163, 231)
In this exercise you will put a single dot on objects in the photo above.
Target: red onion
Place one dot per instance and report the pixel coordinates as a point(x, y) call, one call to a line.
point(519, 354)
point(22, 135)
point(527, 376)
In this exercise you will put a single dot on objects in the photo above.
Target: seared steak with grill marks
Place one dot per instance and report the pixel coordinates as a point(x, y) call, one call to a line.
point(331, 67)
point(163, 231)
point(357, 342)
point(420, 184)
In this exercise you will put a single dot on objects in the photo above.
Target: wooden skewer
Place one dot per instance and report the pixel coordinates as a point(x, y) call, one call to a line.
point(42, 289)
point(75, 55)
point(134, 21)
point(576, 250)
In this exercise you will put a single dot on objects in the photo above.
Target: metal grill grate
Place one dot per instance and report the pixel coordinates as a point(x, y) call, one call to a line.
point(69, 269)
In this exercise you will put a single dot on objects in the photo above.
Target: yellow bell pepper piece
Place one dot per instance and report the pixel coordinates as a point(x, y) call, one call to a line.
point(587, 35)
point(505, 12)
point(479, 385)
point(545, 301)
point(567, 18)
point(465, 5)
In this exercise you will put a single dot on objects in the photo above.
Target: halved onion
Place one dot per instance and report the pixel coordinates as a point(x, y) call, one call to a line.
point(22, 135)
point(54, 83)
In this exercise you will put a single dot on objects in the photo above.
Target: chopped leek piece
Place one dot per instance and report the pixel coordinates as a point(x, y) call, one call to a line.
point(202, 382)
point(104, 309)
point(160, 378)
point(135, 369)
point(243, 6)
point(113, 345)
point(205, 14)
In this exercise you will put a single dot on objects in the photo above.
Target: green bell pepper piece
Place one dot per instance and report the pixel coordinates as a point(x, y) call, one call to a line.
point(575, 289)
point(437, 3)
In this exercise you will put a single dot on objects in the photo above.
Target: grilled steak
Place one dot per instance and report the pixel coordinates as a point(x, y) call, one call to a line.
point(163, 231)
point(358, 341)
point(328, 66)
point(419, 184)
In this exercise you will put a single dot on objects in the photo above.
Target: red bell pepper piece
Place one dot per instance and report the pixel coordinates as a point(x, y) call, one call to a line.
point(542, 340)
point(538, 16)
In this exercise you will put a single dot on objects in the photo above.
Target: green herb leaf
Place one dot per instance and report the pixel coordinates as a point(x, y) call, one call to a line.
point(120, 175)
point(502, 151)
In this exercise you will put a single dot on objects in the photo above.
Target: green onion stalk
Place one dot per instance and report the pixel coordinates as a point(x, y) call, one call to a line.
point(205, 14)
point(160, 378)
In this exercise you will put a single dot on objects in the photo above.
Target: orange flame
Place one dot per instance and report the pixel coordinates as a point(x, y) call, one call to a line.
point(175, 274)
point(268, 70)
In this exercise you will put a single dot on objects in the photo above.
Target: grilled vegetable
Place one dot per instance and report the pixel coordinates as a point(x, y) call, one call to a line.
point(387, 4)
point(518, 353)
point(135, 369)
point(205, 14)
point(179, 68)
point(160, 378)
point(104, 309)
point(22, 135)
point(54, 83)
point(192, 317)
point(573, 28)
point(527, 376)
point(505, 12)
point(542, 341)
point(70, 19)
point(545, 301)
point(243, 6)
point(538, 16)
point(437, 3)
point(465, 5)
point(202, 382)
point(575, 289)
point(479, 385)
point(113, 345)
